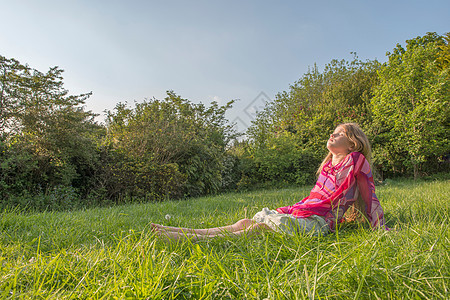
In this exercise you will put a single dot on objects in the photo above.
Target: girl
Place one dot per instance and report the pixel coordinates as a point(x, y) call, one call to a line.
point(344, 180)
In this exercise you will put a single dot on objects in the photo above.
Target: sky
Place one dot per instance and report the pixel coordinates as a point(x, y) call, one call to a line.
point(248, 51)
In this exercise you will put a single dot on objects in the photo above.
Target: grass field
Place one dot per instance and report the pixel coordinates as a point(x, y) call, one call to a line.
point(111, 253)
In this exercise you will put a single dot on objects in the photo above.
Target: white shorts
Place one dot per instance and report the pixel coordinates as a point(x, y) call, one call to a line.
point(289, 224)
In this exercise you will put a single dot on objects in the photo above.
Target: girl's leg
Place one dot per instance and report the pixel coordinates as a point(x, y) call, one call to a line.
point(254, 229)
point(239, 225)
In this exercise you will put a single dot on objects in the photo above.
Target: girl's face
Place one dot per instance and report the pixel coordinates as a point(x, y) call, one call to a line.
point(339, 143)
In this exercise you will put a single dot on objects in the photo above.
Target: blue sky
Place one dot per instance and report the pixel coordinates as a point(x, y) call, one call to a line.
point(204, 50)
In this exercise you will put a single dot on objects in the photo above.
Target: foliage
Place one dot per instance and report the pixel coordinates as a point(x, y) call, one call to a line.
point(186, 140)
point(443, 54)
point(123, 178)
point(411, 108)
point(279, 163)
point(47, 138)
point(19, 170)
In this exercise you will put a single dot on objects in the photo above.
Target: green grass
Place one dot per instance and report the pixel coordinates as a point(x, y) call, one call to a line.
point(110, 253)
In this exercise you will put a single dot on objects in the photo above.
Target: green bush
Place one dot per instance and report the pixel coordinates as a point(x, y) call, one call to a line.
point(283, 161)
point(58, 198)
point(121, 178)
point(280, 162)
point(183, 142)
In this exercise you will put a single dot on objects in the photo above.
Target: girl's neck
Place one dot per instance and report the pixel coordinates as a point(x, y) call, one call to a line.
point(337, 158)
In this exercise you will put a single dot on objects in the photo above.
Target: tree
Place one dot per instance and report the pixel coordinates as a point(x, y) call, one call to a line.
point(411, 107)
point(47, 136)
point(443, 55)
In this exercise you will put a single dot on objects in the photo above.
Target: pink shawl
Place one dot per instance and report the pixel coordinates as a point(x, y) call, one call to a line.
point(337, 188)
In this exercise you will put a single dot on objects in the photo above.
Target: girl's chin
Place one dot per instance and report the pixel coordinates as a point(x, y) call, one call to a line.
point(337, 150)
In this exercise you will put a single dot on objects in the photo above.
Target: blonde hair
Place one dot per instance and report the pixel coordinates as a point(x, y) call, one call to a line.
point(360, 144)
point(359, 139)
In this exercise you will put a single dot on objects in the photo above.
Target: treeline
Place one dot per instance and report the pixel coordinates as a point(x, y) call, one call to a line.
point(53, 155)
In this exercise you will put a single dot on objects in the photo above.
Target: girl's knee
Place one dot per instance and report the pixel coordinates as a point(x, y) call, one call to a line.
point(244, 223)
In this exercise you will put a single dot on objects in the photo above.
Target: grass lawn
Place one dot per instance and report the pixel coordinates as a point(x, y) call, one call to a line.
point(110, 253)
